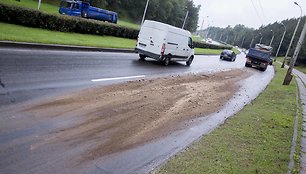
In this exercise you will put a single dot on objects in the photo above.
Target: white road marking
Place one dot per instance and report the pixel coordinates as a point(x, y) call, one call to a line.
point(117, 78)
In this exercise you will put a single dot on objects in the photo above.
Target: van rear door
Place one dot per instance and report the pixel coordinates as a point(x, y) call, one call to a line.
point(151, 39)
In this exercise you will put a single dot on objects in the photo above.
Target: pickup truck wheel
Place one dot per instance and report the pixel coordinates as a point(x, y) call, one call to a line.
point(167, 61)
point(189, 61)
point(142, 57)
point(263, 69)
point(221, 57)
point(84, 14)
point(247, 65)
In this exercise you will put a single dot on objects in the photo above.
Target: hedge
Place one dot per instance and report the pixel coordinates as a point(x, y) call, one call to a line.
point(36, 19)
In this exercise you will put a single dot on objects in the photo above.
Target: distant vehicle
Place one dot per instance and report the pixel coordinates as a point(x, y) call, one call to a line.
point(164, 43)
point(259, 57)
point(83, 9)
point(228, 55)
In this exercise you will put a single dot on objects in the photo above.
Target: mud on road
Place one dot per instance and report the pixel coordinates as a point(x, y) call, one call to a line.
point(110, 119)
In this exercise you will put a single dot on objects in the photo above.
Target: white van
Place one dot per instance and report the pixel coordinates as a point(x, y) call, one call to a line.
point(164, 43)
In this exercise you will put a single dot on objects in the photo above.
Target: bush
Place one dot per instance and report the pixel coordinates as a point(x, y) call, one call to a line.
point(37, 19)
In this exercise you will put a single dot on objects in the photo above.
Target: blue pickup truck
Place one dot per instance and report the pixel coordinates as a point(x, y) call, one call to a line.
point(83, 9)
point(259, 57)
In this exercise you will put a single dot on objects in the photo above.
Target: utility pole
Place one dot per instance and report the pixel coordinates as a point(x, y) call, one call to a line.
point(220, 36)
point(242, 41)
point(297, 25)
point(185, 19)
point(280, 44)
point(252, 42)
point(144, 13)
point(272, 38)
point(288, 77)
point(234, 39)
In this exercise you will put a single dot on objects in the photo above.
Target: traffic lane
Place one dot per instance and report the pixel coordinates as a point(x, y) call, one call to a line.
point(22, 68)
point(28, 74)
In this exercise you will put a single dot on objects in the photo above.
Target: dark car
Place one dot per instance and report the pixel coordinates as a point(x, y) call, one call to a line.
point(228, 55)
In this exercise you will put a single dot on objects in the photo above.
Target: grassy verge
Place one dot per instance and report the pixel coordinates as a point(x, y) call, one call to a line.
point(256, 140)
point(33, 5)
point(301, 68)
point(11, 32)
point(26, 34)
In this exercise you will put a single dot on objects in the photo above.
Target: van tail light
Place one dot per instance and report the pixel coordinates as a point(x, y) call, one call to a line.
point(163, 49)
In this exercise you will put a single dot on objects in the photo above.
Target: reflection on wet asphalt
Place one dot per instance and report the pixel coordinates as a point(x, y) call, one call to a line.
point(31, 76)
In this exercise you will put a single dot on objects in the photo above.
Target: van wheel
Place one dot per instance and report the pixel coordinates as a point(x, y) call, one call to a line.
point(142, 57)
point(167, 61)
point(189, 61)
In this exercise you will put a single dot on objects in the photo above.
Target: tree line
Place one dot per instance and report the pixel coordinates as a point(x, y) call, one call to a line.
point(168, 11)
point(242, 36)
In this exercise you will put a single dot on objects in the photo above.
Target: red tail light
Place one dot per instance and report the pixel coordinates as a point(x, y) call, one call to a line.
point(163, 49)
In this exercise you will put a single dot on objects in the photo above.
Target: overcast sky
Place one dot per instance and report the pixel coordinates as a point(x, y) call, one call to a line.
point(231, 12)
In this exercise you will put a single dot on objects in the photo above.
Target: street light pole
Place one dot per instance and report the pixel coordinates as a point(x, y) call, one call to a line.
point(260, 38)
point(252, 42)
point(203, 22)
point(242, 41)
point(280, 44)
point(288, 77)
point(297, 25)
point(272, 38)
point(144, 13)
point(220, 36)
point(39, 2)
point(185, 19)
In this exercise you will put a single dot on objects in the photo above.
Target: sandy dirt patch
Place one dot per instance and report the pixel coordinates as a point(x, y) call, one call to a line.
point(109, 119)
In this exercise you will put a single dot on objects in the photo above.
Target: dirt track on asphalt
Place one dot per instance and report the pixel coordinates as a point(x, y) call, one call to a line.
point(109, 119)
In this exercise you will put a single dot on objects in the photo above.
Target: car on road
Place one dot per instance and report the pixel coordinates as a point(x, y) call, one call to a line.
point(228, 55)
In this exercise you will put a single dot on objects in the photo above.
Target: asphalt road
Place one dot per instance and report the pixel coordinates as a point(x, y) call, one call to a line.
point(29, 75)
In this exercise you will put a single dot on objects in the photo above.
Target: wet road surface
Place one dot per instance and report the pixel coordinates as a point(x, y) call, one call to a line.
point(28, 75)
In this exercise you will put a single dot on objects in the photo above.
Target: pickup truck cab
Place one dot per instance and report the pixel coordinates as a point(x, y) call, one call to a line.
point(164, 43)
point(83, 9)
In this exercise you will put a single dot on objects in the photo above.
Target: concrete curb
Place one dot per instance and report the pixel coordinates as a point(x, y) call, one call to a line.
point(11, 44)
point(27, 45)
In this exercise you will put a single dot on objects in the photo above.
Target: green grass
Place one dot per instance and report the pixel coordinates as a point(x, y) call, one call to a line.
point(129, 24)
point(301, 68)
point(18, 33)
point(11, 32)
point(256, 140)
point(33, 5)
